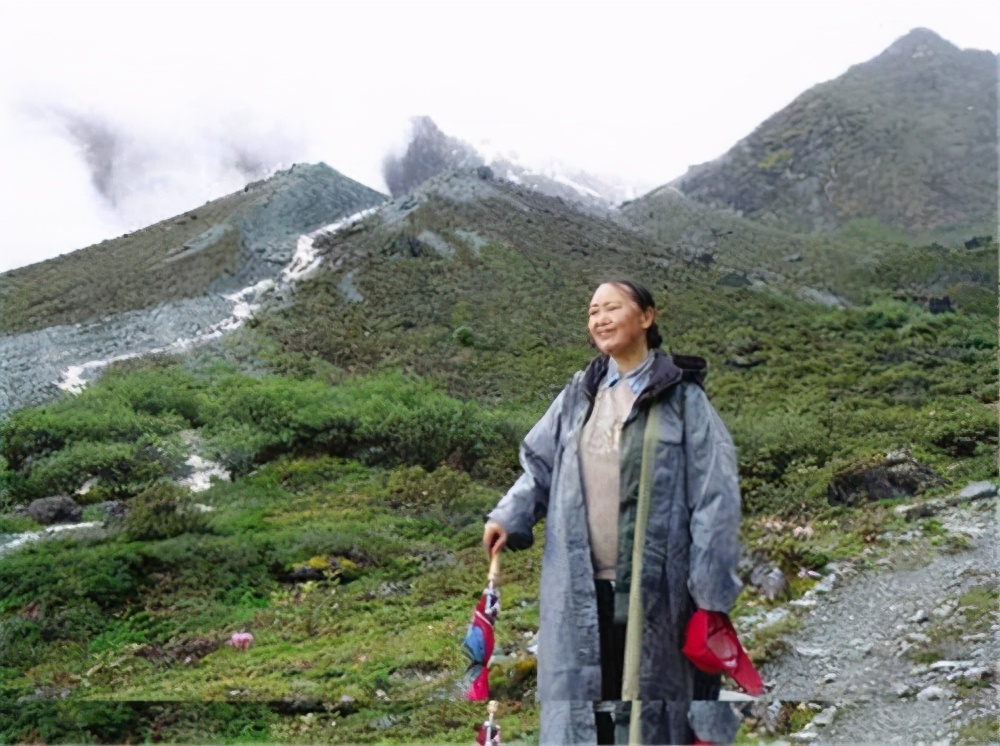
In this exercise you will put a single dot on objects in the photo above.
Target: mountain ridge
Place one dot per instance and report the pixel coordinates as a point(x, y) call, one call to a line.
point(907, 138)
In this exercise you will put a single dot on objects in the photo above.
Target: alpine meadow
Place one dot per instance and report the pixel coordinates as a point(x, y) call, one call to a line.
point(286, 413)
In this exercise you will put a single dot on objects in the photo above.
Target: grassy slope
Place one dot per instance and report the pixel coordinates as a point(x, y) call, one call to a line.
point(148, 266)
point(493, 323)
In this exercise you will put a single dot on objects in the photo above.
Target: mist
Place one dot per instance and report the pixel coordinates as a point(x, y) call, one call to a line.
point(115, 115)
point(96, 175)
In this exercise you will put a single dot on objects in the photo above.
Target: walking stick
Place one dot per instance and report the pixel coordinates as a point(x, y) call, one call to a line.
point(633, 629)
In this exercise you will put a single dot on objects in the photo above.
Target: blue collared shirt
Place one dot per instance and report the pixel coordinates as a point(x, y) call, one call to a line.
point(637, 378)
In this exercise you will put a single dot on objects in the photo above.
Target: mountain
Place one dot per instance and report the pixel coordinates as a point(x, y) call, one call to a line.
point(907, 139)
point(368, 415)
point(430, 152)
point(178, 279)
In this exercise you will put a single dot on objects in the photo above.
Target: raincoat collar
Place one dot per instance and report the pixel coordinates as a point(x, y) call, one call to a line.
point(667, 370)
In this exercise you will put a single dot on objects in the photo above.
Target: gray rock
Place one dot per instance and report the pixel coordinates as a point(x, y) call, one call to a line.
point(822, 298)
point(919, 617)
point(55, 509)
point(978, 490)
point(897, 474)
point(944, 611)
point(774, 584)
point(933, 693)
point(825, 717)
point(918, 637)
point(804, 736)
point(914, 511)
point(763, 574)
point(347, 705)
point(977, 673)
point(114, 509)
point(949, 665)
point(902, 690)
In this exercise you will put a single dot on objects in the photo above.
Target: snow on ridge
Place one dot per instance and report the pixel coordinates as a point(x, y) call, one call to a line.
point(306, 259)
point(202, 472)
point(245, 303)
point(21, 539)
point(559, 178)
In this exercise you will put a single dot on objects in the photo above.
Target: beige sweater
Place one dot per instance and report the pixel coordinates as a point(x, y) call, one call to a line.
point(601, 473)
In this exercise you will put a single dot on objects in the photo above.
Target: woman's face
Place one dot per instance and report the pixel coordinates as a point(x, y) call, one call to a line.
point(617, 324)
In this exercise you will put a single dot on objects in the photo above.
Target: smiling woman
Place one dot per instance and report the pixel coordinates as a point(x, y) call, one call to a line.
point(622, 322)
point(635, 415)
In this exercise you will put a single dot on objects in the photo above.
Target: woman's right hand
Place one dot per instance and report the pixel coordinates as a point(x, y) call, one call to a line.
point(494, 537)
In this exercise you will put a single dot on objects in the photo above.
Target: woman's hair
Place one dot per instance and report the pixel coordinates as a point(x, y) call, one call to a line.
point(644, 299)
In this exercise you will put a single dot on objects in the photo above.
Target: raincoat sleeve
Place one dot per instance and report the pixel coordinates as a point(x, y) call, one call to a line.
point(527, 501)
point(713, 494)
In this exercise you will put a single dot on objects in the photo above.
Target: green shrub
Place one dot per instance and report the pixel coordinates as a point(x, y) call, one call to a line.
point(163, 391)
point(123, 469)
point(414, 487)
point(70, 721)
point(162, 512)
point(15, 524)
point(886, 314)
point(55, 573)
point(30, 434)
point(21, 643)
point(960, 432)
point(381, 420)
point(463, 336)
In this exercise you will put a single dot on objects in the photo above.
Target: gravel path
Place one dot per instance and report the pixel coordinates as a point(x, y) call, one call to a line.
point(851, 658)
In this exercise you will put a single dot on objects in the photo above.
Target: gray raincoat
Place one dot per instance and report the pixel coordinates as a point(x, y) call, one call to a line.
point(690, 552)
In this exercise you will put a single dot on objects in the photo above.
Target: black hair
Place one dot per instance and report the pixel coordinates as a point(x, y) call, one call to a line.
point(644, 299)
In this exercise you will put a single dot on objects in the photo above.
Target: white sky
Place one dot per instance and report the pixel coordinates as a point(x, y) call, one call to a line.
point(636, 90)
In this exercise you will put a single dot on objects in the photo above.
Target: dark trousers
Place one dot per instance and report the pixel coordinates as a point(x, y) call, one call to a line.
point(706, 686)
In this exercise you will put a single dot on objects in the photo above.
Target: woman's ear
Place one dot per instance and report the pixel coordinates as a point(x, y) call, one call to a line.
point(649, 317)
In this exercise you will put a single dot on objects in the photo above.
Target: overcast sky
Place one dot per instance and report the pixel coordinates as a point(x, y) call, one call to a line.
point(114, 115)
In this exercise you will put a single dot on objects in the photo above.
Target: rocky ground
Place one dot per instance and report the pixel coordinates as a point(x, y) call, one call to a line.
point(899, 648)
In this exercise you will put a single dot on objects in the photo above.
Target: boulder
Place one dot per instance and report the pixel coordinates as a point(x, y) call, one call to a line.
point(978, 491)
point(115, 509)
point(940, 305)
point(932, 693)
point(55, 509)
point(757, 569)
point(896, 474)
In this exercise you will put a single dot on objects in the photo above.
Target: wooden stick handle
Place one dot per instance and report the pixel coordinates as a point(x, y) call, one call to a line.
point(494, 568)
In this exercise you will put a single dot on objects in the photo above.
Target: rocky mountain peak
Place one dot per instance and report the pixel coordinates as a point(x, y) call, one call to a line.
point(920, 42)
point(906, 139)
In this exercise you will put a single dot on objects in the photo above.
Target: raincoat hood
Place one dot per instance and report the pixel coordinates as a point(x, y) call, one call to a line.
point(667, 370)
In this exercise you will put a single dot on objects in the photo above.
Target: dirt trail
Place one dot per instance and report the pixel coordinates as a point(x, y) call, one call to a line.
point(870, 652)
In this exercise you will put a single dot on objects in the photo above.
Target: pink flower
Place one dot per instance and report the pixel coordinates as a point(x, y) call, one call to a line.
point(241, 640)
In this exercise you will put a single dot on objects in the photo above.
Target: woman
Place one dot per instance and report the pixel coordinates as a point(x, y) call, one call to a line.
point(582, 463)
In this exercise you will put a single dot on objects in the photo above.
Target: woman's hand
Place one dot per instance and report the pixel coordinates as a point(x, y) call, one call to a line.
point(494, 538)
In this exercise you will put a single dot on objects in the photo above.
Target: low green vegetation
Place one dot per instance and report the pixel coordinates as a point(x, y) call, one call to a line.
point(367, 440)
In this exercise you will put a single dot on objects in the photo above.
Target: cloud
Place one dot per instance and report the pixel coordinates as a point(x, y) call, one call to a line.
point(135, 172)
